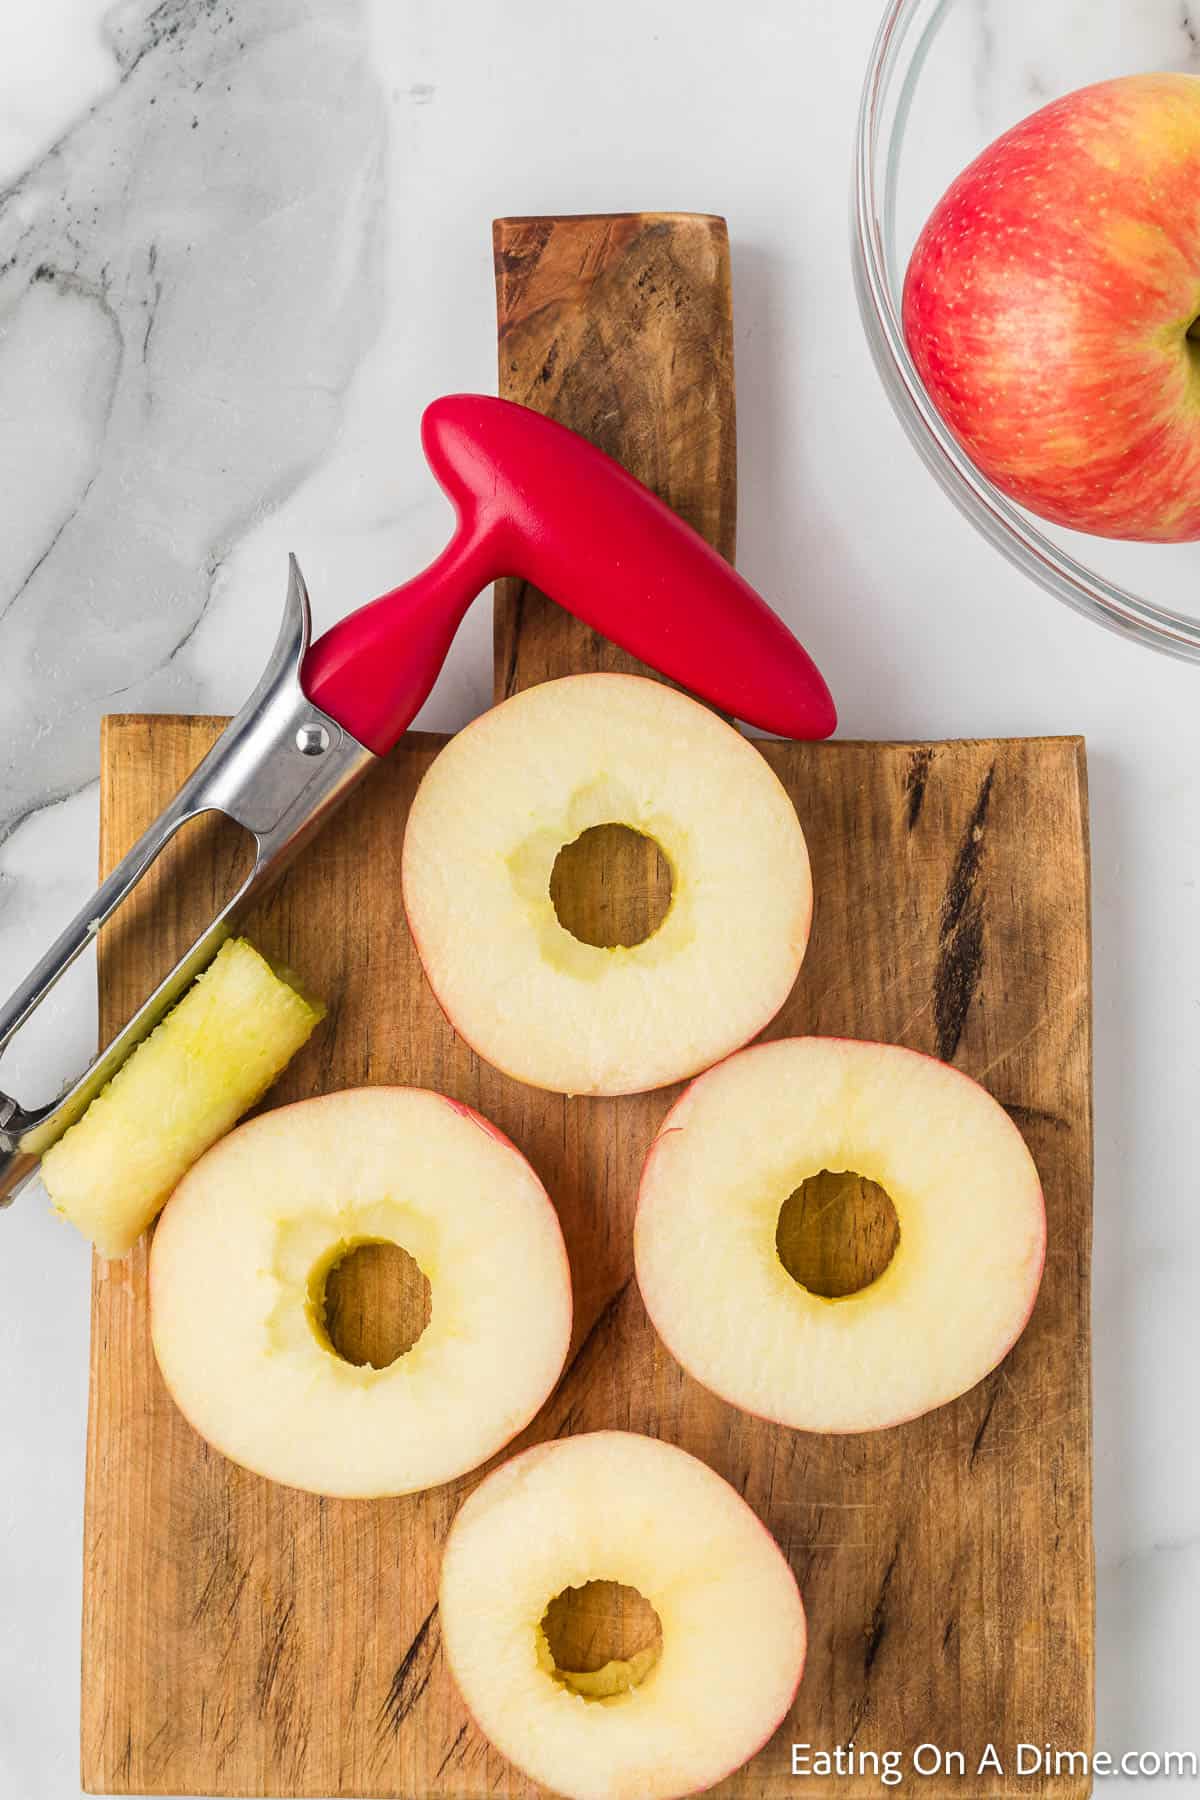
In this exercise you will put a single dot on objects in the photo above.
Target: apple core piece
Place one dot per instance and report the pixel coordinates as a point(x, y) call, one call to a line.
point(238, 1270)
point(963, 1275)
point(614, 1506)
point(189, 1082)
point(534, 775)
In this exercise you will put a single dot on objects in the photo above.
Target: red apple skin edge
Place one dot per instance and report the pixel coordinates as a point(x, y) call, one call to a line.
point(493, 1131)
point(832, 1431)
point(539, 1450)
point(1048, 302)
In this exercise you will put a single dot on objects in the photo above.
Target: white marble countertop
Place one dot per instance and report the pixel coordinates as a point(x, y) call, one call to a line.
point(243, 244)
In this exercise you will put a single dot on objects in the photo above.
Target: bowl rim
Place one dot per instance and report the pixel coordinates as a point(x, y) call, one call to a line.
point(872, 231)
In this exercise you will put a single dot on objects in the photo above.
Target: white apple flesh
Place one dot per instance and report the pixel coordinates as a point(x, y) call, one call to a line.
point(483, 834)
point(950, 1304)
point(615, 1506)
point(238, 1267)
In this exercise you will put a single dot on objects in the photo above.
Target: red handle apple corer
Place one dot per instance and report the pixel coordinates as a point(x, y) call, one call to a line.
point(537, 501)
point(533, 500)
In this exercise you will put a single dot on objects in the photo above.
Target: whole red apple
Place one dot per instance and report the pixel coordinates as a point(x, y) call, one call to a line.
point(1052, 303)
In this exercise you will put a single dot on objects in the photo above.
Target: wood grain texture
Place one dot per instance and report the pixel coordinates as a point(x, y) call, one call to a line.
point(620, 325)
point(241, 1638)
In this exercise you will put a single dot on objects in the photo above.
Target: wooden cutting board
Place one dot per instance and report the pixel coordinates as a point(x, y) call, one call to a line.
point(240, 1638)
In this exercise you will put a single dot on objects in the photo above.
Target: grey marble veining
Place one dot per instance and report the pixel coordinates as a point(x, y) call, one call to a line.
point(187, 283)
point(1024, 54)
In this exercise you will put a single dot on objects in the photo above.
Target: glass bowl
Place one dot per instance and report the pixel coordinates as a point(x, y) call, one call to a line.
point(945, 78)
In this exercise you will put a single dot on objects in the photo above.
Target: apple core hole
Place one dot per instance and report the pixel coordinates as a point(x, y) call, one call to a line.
point(1193, 331)
point(603, 1638)
point(375, 1303)
point(837, 1233)
point(611, 887)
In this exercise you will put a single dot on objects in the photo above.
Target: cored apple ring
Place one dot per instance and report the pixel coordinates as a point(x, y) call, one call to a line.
point(238, 1268)
point(961, 1283)
point(533, 774)
point(614, 1506)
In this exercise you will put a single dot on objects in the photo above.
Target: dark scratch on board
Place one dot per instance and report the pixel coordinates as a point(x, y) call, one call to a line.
point(915, 782)
point(960, 934)
point(1035, 1115)
point(441, 1768)
point(412, 1675)
point(273, 1653)
point(879, 1616)
point(595, 1336)
point(983, 1425)
point(517, 593)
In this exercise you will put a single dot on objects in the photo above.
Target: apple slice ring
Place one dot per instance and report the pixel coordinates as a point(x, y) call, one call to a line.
point(615, 1506)
point(533, 774)
point(238, 1267)
point(950, 1304)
